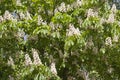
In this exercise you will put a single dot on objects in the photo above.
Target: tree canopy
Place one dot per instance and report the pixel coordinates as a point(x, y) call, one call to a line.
point(59, 40)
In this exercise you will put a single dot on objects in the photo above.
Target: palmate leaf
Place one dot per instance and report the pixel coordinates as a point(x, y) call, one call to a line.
point(42, 29)
point(73, 55)
point(62, 18)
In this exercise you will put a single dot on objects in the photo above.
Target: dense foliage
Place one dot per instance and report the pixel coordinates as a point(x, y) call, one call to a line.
point(59, 40)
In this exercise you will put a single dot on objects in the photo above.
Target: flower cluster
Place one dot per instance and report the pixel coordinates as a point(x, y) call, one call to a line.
point(27, 60)
point(70, 78)
point(22, 16)
point(115, 38)
point(69, 7)
point(40, 21)
point(102, 20)
point(108, 41)
point(11, 78)
point(36, 58)
point(113, 9)
point(111, 18)
point(80, 21)
point(7, 16)
point(95, 50)
point(77, 4)
point(110, 70)
point(1, 19)
point(18, 2)
point(55, 26)
point(64, 8)
point(91, 13)
point(28, 16)
point(10, 61)
point(72, 30)
point(89, 43)
point(21, 33)
point(53, 68)
point(52, 25)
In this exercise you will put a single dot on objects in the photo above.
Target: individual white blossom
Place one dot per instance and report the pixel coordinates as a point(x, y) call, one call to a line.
point(22, 16)
point(69, 78)
point(111, 18)
point(62, 7)
point(39, 9)
point(85, 74)
point(72, 30)
point(36, 58)
point(115, 38)
point(78, 73)
point(1, 19)
point(7, 16)
point(55, 26)
point(90, 13)
point(113, 9)
point(95, 50)
point(69, 7)
point(40, 20)
point(20, 33)
point(108, 41)
point(18, 2)
point(77, 4)
point(119, 23)
point(80, 21)
point(10, 61)
point(27, 60)
point(28, 16)
point(89, 43)
point(44, 23)
point(58, 26)
point(52, 25)
point(50, 12)
point(11, 78)
point(102, 20)
point(56, 11)
point(53, 68)
point(110, 70)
